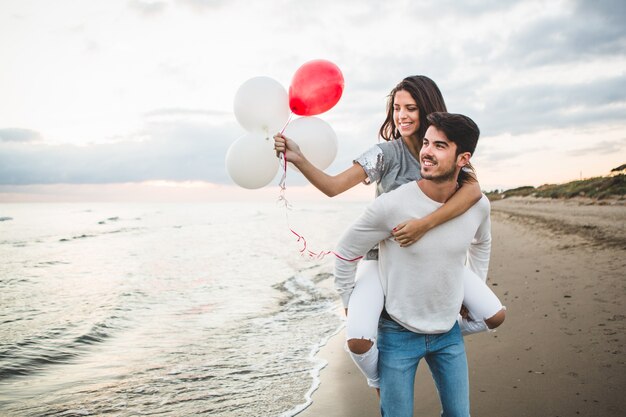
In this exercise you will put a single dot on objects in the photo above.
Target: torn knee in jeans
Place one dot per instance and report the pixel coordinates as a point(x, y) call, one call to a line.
point(359, 346)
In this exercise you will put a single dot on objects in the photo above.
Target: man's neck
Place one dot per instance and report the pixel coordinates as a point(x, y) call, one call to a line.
point(437, 191)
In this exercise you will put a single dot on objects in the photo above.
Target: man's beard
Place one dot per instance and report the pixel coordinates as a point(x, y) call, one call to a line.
point(449, 175)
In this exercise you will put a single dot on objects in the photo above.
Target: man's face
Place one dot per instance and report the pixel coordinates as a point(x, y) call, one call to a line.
point(438, 157)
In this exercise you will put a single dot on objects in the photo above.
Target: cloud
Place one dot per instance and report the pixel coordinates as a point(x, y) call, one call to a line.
point(504, 76)
point(19, 135)
point(526, 109)
point(176, 151)
point(614, 11)
point(202, 5)
point(487, 153)
point(147, 8)
point(589, 30)
point(184, 112)
point(604, 147)
point(516, 67)
point(463, 9)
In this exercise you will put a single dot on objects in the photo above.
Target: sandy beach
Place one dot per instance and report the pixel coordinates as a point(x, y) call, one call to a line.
point(560, 268)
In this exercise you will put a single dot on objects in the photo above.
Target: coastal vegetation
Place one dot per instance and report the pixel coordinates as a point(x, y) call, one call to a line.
point(598, 188)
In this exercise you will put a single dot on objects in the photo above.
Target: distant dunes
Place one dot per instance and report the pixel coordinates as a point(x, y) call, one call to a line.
point(609, 187)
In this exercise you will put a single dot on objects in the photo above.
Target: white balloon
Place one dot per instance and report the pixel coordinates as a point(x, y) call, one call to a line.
point(251, 161)
point(262, 105)
point(316, 139)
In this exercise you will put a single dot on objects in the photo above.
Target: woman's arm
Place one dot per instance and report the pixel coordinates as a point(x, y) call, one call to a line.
point(328, 184)
point(411, 231)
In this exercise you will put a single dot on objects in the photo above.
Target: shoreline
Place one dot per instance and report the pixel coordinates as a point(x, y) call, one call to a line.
point(559, 268)
point(320, 363)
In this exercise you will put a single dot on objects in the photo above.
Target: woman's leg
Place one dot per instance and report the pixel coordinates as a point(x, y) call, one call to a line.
point(364, 308)
point(485, 309)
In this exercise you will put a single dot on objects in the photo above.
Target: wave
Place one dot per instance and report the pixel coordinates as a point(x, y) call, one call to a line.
point(56, 346)
point(314, 373)
point(314, 307)
point(308, 299)
point(110, 219)
point(40, 239)
point(109, 232)
point(83, 236)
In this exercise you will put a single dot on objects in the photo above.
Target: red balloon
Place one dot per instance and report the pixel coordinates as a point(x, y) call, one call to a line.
point(315, 88)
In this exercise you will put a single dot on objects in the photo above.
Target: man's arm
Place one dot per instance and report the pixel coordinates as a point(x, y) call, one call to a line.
point(359, 238)
point(480, 249)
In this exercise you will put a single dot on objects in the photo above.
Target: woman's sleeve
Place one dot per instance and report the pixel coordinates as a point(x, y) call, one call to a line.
point(373, 162)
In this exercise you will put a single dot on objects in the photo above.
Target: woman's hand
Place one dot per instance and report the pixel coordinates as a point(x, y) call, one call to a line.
point(282, 144)
point(410, 231)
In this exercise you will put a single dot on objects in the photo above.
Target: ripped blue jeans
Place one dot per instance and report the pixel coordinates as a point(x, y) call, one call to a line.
point(401, 350)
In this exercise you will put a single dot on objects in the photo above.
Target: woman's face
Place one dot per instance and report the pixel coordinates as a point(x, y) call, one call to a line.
point(406, 115)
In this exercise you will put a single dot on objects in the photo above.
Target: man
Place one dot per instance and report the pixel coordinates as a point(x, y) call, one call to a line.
point(423, 283)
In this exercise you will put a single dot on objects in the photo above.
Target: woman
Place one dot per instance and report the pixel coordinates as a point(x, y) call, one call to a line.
point(391, 164)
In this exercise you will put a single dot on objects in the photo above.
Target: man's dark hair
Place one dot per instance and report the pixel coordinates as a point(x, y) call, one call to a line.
point(458, 128)
point(463, 132)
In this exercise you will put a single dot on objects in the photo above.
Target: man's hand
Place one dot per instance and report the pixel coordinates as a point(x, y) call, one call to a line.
point(410, 231)
point(282, 144)
point(464, 312)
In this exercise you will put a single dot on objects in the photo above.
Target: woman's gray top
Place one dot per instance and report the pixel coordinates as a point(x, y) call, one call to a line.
point(388, 164)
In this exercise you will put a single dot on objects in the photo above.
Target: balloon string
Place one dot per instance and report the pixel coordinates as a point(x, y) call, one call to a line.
point(320, 255)
point(286, 124)
point(283, 182)
point(282, 199)
point(283, 178)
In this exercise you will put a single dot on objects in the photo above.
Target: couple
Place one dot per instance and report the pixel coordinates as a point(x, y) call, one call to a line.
point(422, 285)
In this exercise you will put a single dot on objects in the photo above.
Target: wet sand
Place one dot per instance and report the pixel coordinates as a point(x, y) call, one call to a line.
point(560, 268)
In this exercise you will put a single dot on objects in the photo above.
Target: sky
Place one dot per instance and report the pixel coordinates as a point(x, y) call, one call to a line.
point(127, 99)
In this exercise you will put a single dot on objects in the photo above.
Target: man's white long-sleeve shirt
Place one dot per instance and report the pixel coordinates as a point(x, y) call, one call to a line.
point(422, 283)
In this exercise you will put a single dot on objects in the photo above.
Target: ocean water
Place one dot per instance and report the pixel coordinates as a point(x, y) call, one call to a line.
point(164, 309)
